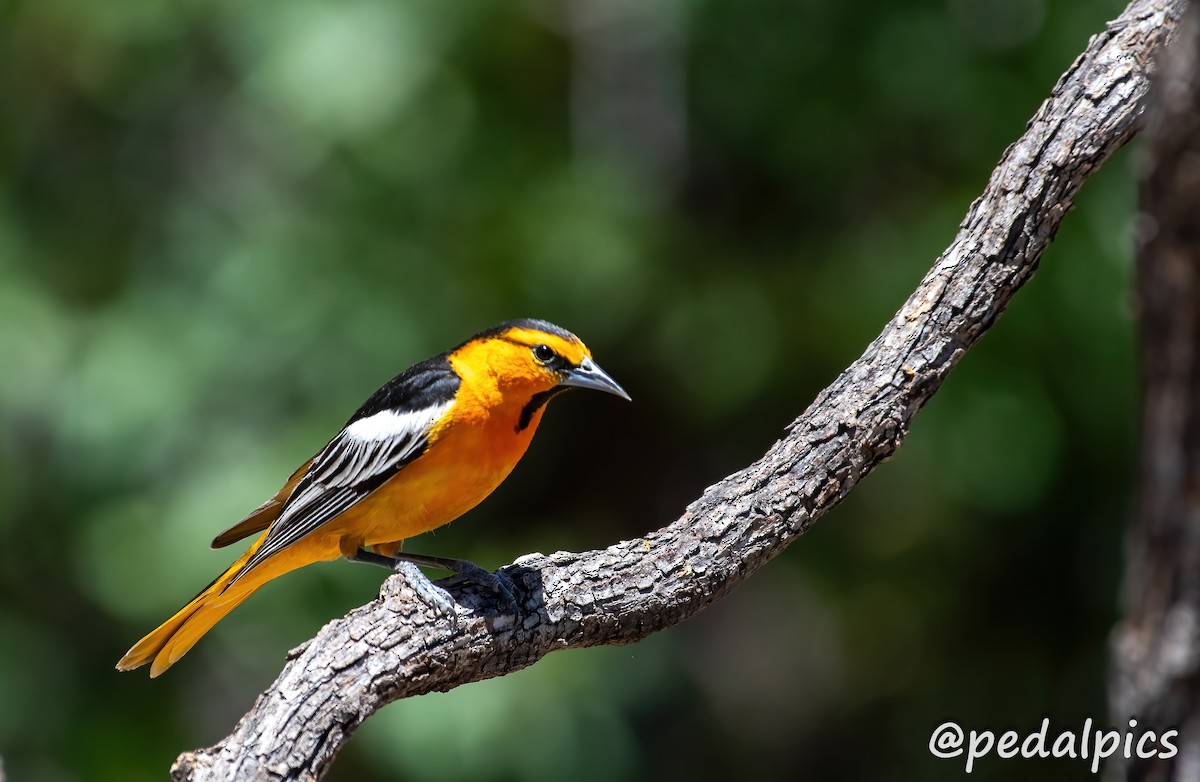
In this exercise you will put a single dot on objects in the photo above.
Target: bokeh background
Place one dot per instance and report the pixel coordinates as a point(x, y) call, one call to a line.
point(223, 224)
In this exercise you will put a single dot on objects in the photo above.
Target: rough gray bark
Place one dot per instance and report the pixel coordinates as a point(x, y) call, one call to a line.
point(1156, 649)
point(408, 642)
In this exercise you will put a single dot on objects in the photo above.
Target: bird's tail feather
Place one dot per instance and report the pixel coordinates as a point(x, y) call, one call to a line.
point(164, 645)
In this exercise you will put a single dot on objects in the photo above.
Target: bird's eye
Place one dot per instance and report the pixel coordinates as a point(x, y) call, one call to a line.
point(543, 353)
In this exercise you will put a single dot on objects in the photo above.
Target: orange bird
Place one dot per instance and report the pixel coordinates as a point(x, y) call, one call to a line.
point(422, 451)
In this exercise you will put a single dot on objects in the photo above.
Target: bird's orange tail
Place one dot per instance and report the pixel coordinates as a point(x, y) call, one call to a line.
point(171, 640)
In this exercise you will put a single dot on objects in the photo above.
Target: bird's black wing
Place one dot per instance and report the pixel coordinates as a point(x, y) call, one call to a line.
point(389, 431)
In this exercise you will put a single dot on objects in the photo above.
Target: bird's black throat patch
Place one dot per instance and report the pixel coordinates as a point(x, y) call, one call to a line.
point(535, 403)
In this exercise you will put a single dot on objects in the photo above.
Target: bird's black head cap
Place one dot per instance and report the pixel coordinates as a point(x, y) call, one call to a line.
point(525, 323)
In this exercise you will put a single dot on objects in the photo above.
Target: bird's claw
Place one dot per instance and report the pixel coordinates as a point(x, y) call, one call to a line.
point(501, 585)
point(426, 591)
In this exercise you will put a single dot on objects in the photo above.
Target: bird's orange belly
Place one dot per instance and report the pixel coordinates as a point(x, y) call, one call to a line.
point(435, 489)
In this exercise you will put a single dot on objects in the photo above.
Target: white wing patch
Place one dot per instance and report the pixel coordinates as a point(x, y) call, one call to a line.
point(389, 423)
point(362, 456)
point(369, 447)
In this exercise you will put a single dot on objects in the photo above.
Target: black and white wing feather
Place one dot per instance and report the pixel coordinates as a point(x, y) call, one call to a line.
point(388, 432)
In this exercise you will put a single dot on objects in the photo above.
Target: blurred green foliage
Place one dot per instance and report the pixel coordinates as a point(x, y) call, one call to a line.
point(223, 224)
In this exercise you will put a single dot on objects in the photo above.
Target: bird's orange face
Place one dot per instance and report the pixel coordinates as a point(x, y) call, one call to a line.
point(525, 360)
point(537, 359)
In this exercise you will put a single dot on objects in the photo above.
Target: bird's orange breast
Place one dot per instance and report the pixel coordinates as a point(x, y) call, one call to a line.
point(469, 455)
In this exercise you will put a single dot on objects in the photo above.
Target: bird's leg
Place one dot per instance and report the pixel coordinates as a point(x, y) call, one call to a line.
point(371, 558)
point(456, 566)
point(429, 593)
point(463, 570)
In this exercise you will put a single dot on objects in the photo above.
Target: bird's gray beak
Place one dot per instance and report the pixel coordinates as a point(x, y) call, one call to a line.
point(589, 375)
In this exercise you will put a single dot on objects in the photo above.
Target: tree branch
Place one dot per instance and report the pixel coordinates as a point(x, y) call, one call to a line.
point(1156, 649)
point(407, 643)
